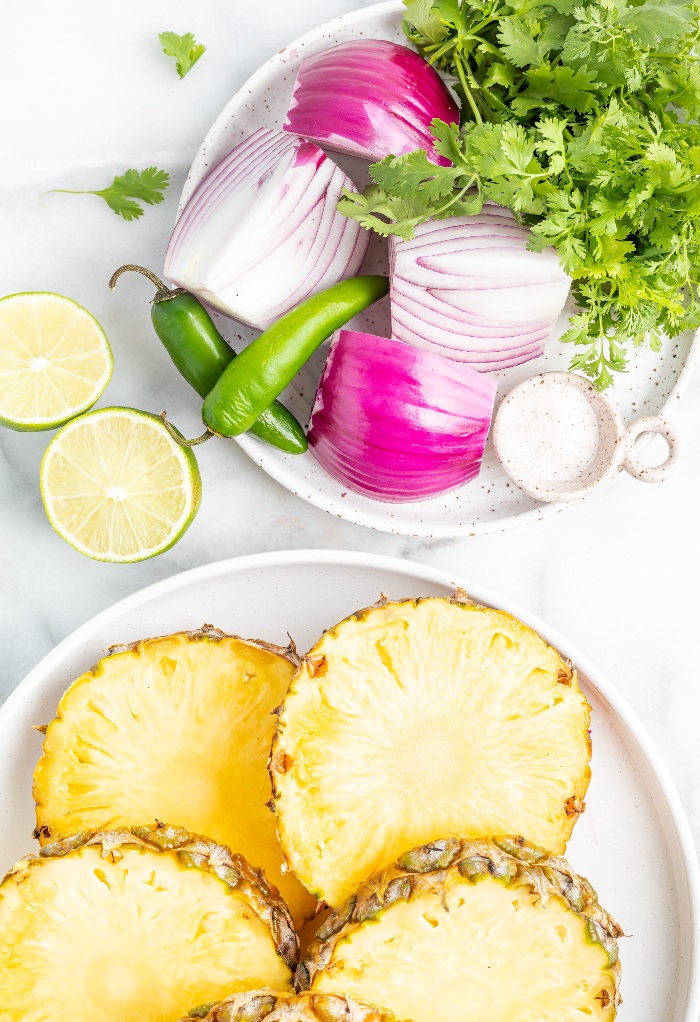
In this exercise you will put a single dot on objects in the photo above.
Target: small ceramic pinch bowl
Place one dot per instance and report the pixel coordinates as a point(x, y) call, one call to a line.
point(559, 438)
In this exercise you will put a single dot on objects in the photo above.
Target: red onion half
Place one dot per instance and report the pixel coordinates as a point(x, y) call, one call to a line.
point(370, 98)
point(397, 423)
point(262, 232)
point(469, 288)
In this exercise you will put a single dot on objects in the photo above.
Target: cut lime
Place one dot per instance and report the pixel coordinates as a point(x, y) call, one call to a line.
point(55, 361)
point(117, 487)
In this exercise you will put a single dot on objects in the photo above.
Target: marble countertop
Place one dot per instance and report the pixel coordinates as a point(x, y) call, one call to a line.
point(91, 94)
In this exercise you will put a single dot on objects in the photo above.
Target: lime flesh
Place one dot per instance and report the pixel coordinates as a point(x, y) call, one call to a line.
point(55, 361)
point(117, 487)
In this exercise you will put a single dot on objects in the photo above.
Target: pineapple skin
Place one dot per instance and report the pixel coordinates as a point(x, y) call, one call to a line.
point(49, 790)
point(314, 667)
point(277, 1006)
point(193, 851)
point(427, 868)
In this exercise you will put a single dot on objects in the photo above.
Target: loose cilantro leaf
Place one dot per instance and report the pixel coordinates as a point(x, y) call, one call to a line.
point(184, 48)
point(579, 115)
point(146, 185)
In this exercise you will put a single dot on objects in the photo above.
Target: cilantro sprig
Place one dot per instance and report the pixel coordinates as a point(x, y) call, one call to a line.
point(145, 185)
point(184, 48)
point(579, 118)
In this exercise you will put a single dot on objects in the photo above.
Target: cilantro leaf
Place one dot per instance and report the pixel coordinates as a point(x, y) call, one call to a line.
point(184, 48)
point(384, 214)
point(421, 16)
point(681, 88)
point(549, 87)
point(406, 176)
point(520, 42)
point(145, 185)
point(657, 20)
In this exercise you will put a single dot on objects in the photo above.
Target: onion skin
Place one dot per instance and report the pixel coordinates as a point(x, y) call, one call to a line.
point(467, 287)
point(370, 98)
point(397, 423)
point(261, 232)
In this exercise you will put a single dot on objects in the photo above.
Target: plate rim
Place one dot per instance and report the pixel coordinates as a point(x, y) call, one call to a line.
point(33, 681)
point(282, 471)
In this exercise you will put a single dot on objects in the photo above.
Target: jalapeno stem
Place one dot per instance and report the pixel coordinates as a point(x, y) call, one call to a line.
point(163, 290)
point(180, 440)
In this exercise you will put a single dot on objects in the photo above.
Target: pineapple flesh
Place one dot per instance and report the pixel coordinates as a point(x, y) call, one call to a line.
point(277, 1006)
point(417, 720)
point(473, 930)
point(175, 728)
point(136, 925)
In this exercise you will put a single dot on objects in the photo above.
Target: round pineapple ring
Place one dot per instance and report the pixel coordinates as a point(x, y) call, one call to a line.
point(473, 930)
point(137, 925)
point(276, 1006)
point(176, 728)
point(415, 720)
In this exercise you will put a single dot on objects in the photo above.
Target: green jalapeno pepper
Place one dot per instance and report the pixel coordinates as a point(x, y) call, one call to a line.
point(269, 363)
point(200, 353)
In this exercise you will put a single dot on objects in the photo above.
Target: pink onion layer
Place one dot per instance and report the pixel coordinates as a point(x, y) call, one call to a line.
point(370, 98)
point(468, 287)
point(262, 232)
point(397, 423)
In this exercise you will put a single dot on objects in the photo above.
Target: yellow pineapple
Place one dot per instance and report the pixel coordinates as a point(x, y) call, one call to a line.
point(421, 719)
point(175, 728)
point(136, 924)
point(472, 930)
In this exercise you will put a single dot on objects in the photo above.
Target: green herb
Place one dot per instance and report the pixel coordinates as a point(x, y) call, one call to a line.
point(184, 48)
point(146, 185)
point(579, 118)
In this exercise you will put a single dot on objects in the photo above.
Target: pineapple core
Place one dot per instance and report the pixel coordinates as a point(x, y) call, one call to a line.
point(423, 720)
point(175, 729)
point(487, 952)
point(143, 939)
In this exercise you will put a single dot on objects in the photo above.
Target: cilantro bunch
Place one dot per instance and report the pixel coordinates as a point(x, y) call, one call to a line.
point(580, 117)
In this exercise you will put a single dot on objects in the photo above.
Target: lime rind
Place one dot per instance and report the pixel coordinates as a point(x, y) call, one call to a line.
point(192, 485)
point(41, 423)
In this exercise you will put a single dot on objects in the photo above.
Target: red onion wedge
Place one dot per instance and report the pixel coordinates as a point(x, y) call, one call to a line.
point(397, 423)
point(469, 288)
point(262, 232)
point(370, 98)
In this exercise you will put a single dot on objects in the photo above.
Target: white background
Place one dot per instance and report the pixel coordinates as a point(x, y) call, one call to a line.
point(87, 93)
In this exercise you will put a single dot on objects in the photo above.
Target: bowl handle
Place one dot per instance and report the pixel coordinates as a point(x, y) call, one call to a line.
point(652, 473)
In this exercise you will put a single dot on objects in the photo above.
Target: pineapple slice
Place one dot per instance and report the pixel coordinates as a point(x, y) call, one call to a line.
point(176, 728)
point(473, 930)
point(256, 1005)
point(415, 720)
point(137, 925)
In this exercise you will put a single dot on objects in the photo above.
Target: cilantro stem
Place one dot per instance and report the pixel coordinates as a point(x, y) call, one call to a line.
point(457, 196)
point(467, 90)
point(442, 49)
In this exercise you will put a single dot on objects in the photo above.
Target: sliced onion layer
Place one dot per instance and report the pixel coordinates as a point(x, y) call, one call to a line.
point(397, 423)
point(468, 288)
point(262, 232)
point(370, 98)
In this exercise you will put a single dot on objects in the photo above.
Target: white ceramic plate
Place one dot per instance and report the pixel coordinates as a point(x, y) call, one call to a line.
point(490, 503)
point(633, 841)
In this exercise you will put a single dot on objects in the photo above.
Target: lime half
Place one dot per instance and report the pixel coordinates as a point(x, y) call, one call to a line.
point(55, 361)
point(117, 487)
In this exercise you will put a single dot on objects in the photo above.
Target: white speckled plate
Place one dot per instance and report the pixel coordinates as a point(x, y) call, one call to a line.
point(633, 841)
point(490, 503)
